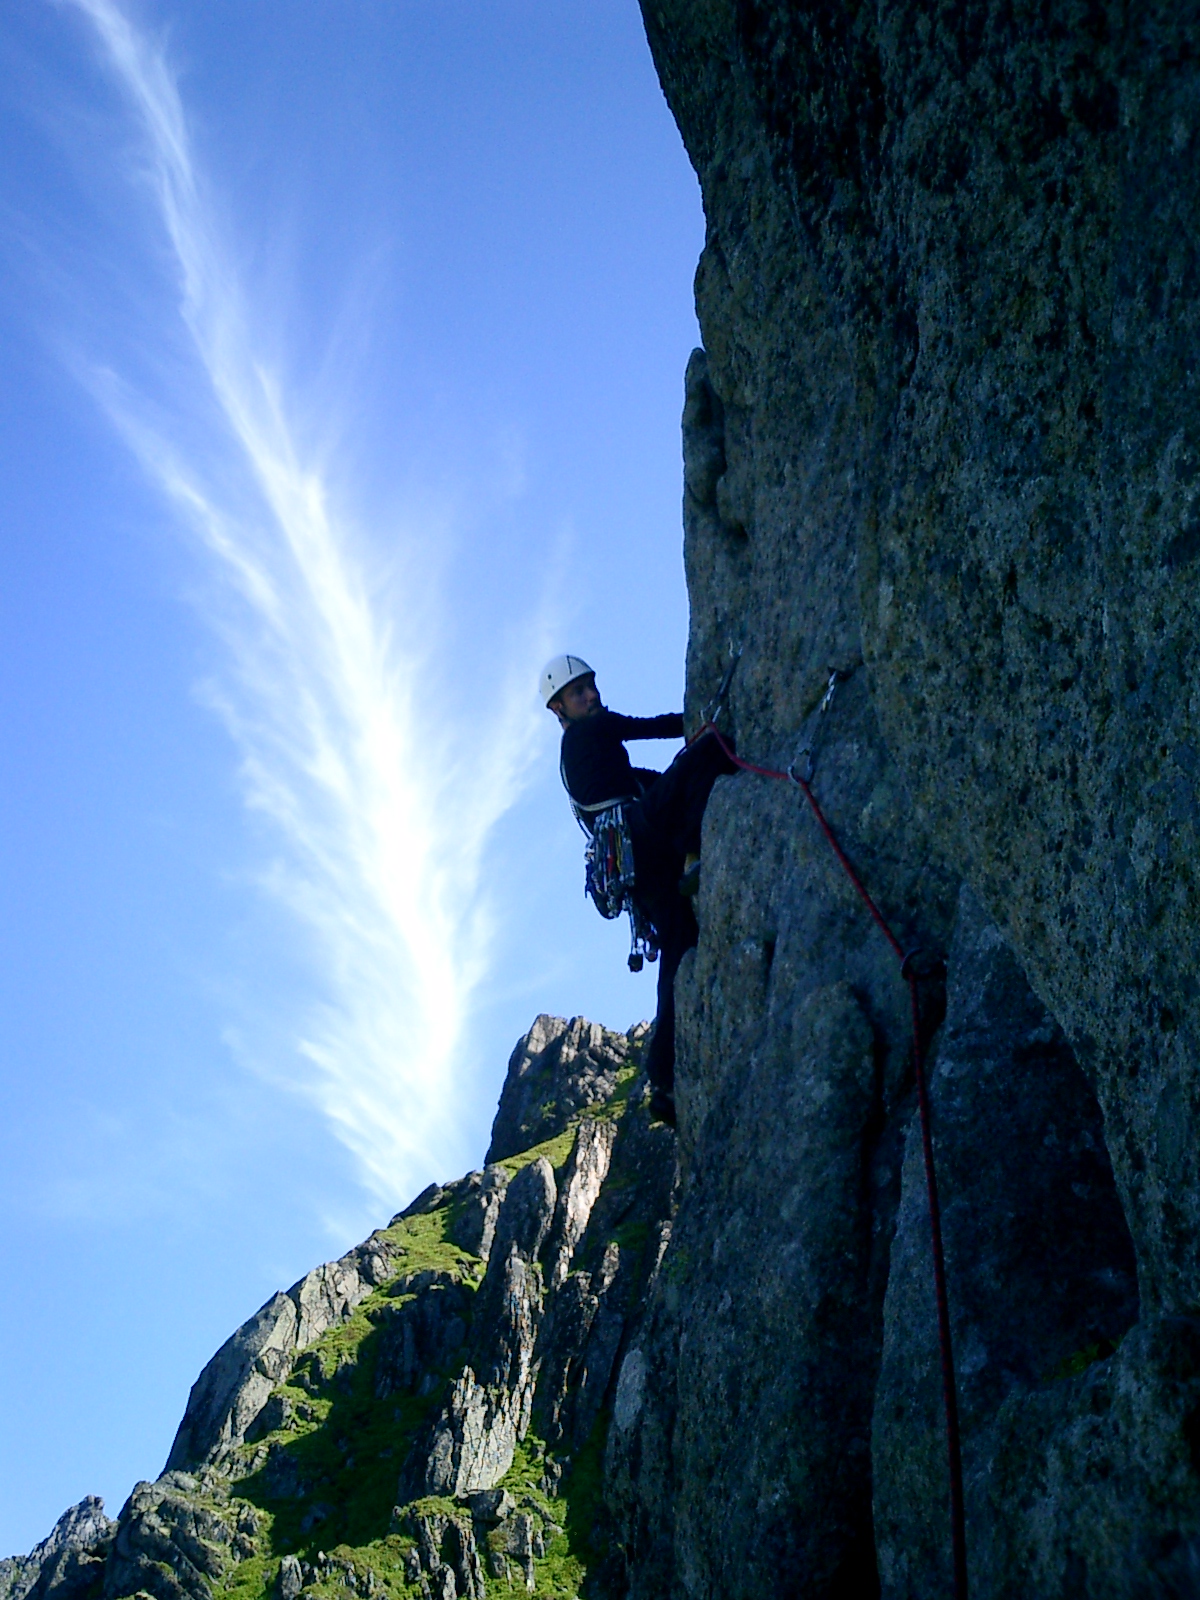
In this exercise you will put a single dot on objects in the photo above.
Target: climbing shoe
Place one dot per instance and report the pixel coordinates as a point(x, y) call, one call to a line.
point(689, 884)
point(662, 1107)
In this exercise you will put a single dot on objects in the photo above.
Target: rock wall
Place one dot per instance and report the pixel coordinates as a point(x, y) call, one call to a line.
point(942, 440)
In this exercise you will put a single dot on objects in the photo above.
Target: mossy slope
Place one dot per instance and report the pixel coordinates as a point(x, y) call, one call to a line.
point(306, 1505)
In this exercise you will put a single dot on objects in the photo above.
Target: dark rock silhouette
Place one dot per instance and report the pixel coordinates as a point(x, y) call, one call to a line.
point(940, 441)
point(68, 1563)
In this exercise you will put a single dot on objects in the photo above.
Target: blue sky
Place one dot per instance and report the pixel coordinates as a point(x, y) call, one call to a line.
point(343, 367)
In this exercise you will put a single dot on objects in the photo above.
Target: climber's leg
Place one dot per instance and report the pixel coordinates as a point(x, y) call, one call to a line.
point(673, 805)
point(658, 866)
point(664, 826)
point(677, 933)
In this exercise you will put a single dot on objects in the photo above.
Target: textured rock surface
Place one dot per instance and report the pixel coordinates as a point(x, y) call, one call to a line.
point(235, 1385)
point(942, 439)
point(1038, 1256)
point(583, 1180)
point(476, 1226)
point(557, 1070)
point(68, 1564)
point(474, 1440)
point(179, 1537)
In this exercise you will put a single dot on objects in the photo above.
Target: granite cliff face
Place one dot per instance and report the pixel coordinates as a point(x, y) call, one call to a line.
point(942, 440)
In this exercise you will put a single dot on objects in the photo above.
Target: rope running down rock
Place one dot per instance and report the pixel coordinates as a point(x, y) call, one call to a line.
point(910, 976)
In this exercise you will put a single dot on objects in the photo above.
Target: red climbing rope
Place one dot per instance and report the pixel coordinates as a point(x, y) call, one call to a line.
point(905, 958)
point(958, 1535)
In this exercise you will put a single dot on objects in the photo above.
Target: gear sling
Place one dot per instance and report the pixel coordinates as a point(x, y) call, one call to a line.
point(609, 870)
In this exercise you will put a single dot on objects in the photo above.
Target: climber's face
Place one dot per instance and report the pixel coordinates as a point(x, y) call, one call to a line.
point(577, 701)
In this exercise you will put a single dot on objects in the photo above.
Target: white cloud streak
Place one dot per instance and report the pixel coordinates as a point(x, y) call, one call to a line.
point(384, 823)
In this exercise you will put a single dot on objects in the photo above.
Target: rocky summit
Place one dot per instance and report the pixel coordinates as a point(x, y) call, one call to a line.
point(428, 1415)
point(941, 504)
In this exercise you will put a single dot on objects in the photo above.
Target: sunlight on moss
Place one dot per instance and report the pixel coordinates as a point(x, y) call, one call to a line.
point(324, 1481)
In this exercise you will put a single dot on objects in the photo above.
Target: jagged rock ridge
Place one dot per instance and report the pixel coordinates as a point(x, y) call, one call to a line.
point(69, 1561)
point(425, 1416)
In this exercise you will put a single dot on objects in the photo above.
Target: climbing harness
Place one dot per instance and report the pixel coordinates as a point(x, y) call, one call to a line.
point(908, 960)
point(608, 870)
point(608, 854)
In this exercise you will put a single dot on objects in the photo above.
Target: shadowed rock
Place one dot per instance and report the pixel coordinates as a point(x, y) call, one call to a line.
point(482, 1198)
point(1038, 1256)
point(943, 440)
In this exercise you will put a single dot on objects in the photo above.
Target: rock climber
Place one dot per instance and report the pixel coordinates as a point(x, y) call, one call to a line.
point(664, 811)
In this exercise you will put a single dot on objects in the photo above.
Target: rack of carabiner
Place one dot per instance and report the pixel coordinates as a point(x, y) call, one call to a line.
point(609, 877)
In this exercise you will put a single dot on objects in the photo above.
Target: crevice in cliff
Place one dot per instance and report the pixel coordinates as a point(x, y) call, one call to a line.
point(1040, 1264)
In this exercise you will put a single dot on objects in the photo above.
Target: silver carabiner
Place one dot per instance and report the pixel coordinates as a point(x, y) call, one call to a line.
point(807, 751)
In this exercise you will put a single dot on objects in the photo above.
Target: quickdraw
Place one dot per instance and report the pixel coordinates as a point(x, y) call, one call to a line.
point(608, 862)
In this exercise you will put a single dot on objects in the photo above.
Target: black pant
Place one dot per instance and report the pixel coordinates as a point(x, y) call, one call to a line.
point(665, 827)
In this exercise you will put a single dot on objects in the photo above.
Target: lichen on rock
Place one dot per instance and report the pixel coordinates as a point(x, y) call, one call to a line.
point(941, 441)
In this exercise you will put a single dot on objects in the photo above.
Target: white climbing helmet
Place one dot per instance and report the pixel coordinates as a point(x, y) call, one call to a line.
point(557, 674)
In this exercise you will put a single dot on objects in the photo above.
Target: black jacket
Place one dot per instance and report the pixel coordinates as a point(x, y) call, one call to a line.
point(595, 763)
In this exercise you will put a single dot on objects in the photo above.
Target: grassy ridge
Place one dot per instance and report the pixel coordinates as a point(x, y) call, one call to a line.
point(323, 1479)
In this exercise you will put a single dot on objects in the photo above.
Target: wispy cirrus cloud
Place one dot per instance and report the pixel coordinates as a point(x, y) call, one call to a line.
point(383, 814)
